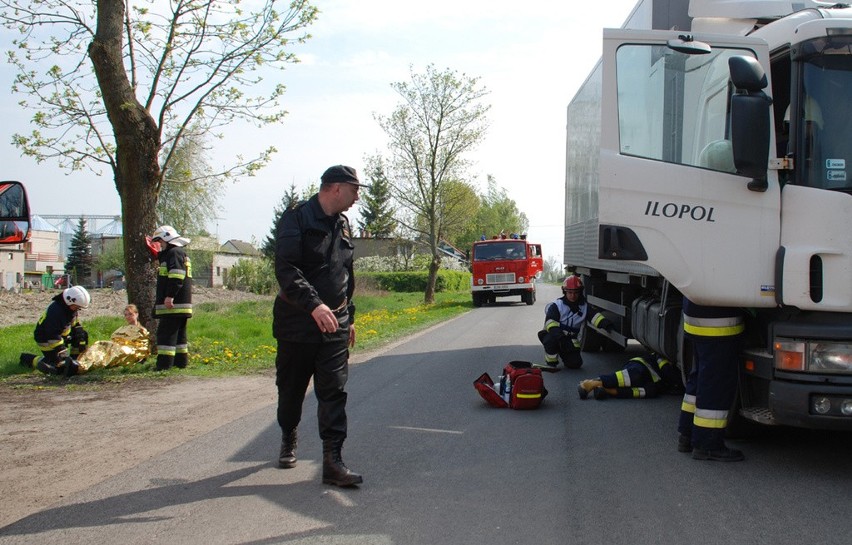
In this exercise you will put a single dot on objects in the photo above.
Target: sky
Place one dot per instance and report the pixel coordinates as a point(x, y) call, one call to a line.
point(532, 58)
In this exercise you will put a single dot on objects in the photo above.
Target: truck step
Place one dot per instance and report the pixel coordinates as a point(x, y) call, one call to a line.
point(761, 415)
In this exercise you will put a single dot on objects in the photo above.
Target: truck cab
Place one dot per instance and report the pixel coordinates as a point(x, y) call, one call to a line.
point(504, 266)
point(14, 213)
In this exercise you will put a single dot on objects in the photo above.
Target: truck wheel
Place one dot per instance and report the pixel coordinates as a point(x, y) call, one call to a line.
point(590, 340)
point(528, 297)
point(477, 300)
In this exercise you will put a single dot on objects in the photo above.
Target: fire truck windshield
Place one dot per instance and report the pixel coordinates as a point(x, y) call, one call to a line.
point(824, 112)
point(499, 250)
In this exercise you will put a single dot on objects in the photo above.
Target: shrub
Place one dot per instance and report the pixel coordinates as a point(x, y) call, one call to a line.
point(415, 281)
point(254, 275)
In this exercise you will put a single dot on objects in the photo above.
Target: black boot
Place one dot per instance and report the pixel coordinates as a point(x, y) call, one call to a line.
point(46, 368)
point(27, 360)
point(287, 458)
point(334, 471)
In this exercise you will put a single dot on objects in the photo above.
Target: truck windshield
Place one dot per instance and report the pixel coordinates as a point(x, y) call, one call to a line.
point(824, 113)
point(494, 251)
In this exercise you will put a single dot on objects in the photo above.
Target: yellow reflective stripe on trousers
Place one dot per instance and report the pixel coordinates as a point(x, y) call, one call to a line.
point(623, 379)
point(713, 327)
point(688, 404)
point(707, 418)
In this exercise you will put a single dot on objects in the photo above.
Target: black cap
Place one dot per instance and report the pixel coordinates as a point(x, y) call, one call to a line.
point(341, 174)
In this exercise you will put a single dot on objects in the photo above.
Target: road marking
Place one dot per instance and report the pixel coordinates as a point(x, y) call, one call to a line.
point(425, 429)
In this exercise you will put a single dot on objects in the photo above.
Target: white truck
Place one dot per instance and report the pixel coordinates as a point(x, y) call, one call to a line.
point(712, 161)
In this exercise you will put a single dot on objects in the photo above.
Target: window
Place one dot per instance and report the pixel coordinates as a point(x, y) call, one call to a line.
point(674, 107)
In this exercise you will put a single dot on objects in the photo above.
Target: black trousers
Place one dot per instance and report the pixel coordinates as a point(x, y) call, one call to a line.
point(328, 363)
point(172, 347)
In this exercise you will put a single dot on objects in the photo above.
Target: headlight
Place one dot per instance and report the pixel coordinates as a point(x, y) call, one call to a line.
point(520, 280)
point(479, 281)
point(830, 358)
point(813, 357)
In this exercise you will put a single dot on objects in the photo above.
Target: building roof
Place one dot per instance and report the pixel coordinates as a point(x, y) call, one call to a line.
point(41, 224)
point(234, 246)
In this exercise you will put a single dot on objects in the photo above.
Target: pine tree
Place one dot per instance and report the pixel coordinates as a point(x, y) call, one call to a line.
point(290, 198)
point(80, 261)
point(377, 215)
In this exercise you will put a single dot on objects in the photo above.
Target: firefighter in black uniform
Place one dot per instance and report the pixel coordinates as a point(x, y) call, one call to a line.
point(563, 320)
point(643, 377)
point(313, 317)
point(715, 334)
point(173, 305)
point(58, 331)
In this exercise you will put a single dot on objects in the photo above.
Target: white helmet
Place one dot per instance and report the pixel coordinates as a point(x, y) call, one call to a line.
point(169, 234)
point(77, 295)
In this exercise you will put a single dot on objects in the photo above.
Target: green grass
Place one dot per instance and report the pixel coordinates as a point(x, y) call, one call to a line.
point(236, 339)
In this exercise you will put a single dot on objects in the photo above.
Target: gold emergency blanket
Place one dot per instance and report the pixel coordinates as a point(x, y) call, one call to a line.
point(128, 345)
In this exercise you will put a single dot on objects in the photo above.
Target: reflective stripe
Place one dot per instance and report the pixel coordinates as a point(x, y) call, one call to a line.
point(166, 350)
point(688, 404)
point(182, 349)
point(550, 324)
point(707, 418)
point(597, 319)
point(50, 345)
point(623, 379)
point(654, 376)
point(639, 393)
point(551, 358)
point(527, 396)
point(576, 343)
point(713, 327)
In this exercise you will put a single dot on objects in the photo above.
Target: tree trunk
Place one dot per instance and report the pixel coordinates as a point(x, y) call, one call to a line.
point(136, 169)
point(434, 265)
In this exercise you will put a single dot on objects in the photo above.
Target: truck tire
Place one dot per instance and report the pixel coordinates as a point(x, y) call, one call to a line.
point(477, 300)
point(528, 297)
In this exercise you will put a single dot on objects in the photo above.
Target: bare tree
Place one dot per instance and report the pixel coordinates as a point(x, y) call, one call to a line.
point(157, 68)
point(440, 119)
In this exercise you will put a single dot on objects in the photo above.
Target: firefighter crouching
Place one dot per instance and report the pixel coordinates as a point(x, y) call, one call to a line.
point(563, 320)
point(173, 305)
point(59, 334)
point(715, 334)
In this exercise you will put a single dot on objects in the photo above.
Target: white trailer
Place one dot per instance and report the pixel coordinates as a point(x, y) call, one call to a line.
point(714, 162)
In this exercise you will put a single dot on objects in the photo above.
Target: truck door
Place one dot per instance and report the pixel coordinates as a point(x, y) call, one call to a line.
point(668, 195)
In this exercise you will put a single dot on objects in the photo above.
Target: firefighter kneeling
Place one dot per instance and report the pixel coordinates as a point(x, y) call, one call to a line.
point(563, 320)
point(58, 333)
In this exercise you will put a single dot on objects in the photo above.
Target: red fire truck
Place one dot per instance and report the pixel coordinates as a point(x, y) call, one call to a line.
point(505, 266)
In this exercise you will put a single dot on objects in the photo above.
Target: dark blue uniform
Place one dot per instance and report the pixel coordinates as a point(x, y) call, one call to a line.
point(643, 377)
point(560, 336)
point(174, 279)
point(715, 334)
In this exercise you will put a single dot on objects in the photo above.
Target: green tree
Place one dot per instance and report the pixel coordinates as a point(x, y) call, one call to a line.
point(440, 119)
point(497, 213)
point(377, 212)
point(190, 194)
point(80, 261)
point(116, 85)
point(111, 259)
point(290, 198)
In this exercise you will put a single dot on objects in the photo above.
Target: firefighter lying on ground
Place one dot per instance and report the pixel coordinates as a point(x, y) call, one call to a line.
point(563, 320)
point(59, 334)
point(643, 377)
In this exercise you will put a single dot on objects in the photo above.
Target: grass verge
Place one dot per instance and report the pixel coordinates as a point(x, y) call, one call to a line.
point(236, 339)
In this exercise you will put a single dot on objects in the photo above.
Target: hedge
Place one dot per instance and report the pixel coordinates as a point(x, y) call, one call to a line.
point(415, 281)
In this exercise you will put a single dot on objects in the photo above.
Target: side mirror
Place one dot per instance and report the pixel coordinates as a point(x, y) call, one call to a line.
point(750, 114)
point(14, 213)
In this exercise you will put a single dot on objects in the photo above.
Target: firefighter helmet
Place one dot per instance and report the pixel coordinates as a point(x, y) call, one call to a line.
point(77, 295)
point(572, 283)
point(169, 234)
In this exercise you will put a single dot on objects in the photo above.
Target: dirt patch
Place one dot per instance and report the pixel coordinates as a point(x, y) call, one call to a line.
point(58, 439)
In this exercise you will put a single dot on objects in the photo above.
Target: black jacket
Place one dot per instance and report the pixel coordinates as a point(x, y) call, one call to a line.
point(174, 279)
point(313, 265)
point(54, 324)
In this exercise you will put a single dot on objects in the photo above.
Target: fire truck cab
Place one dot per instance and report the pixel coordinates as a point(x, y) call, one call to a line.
point(504, 266)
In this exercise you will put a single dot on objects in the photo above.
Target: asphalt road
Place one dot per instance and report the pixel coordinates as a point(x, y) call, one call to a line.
point(441, 467)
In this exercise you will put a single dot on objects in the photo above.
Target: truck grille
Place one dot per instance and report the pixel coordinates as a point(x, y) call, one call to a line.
point(500, 278)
